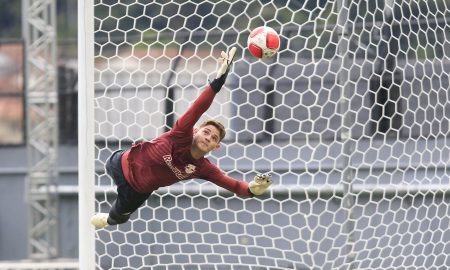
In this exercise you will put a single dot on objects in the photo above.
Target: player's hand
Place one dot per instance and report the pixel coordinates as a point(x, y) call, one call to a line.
point(260, 183)
point(225, 61)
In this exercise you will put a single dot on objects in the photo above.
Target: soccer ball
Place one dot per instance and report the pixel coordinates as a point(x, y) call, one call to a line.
point(263, 42)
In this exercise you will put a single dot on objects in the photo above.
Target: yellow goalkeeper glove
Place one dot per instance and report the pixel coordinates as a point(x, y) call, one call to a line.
point(225, 60)
point(260, 183)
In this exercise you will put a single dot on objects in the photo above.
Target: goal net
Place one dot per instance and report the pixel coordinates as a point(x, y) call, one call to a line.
point(351, 117)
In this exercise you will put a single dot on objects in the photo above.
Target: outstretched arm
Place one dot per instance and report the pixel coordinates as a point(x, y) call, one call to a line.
point(240, 188)
point(256, 187)
point(187, 121)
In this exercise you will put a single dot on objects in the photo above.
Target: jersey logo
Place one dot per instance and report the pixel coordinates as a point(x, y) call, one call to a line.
point(189, 169)
point(178, 173)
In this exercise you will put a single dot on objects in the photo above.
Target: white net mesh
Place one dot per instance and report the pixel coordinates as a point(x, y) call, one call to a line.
point(351, 117)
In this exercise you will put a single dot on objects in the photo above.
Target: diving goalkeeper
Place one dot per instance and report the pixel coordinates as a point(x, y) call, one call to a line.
point(176, 155)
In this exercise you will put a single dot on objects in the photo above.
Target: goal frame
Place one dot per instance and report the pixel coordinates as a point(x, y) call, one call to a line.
point(86, 151)
point(346, 190)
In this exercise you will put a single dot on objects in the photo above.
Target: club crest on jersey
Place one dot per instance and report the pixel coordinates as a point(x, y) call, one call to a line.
point(189, 169)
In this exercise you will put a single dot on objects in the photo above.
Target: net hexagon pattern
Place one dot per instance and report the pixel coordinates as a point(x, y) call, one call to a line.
point(351, 117)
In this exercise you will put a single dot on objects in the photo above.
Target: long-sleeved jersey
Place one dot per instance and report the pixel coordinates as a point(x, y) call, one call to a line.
point(167, 159)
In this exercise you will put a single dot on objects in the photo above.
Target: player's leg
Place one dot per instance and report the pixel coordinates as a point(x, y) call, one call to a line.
point(127, 200)
point(126, 203)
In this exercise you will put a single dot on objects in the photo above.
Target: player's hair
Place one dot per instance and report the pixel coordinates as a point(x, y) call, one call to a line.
point(218, 125)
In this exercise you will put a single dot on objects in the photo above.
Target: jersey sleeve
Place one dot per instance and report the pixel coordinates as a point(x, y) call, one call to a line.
point(186, 122)
point(213, 174)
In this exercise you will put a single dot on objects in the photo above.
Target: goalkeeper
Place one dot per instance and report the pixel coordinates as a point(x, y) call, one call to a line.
point(174, 156)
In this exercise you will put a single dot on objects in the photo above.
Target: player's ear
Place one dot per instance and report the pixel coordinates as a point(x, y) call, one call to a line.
point(217, 147)
point(195, 130)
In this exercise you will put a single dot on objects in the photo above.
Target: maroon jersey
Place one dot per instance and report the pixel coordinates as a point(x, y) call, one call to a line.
point(167, 159)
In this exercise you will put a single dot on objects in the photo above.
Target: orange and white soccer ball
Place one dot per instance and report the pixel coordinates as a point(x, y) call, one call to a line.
point(263, 42)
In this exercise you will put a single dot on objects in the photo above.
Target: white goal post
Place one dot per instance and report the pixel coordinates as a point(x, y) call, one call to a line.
point(86, 141)
point(351, 117)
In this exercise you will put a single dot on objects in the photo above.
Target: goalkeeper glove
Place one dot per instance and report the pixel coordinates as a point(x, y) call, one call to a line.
point(225, 60)
point(260, 183)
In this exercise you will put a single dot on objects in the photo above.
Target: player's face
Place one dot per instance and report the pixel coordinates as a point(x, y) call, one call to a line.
point(207, 138)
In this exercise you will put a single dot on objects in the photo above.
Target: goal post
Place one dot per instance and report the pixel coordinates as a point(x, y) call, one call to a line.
point(351, 117)
point(86, 141)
